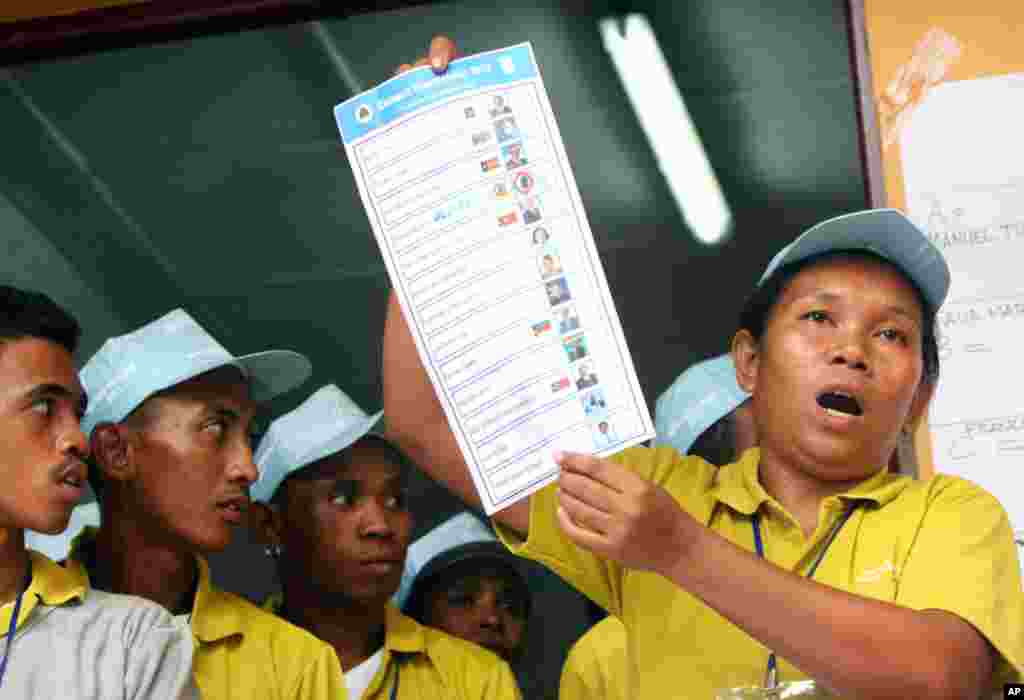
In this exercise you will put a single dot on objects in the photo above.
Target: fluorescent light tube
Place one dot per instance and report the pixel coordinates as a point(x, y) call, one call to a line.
point(662, 114)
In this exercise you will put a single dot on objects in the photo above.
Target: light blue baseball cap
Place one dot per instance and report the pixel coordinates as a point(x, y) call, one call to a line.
point(887, 233)
point(457, 539)
point(327, 422)
point(696, 400)
point(174, 348)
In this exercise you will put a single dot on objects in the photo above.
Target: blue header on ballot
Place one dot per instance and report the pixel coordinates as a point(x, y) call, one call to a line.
point(418, 88)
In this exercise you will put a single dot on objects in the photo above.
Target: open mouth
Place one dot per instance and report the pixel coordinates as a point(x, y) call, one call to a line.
point(73, 481)
point(234, 506)
point(837, 403)
point(383, 564)
point(72, 476)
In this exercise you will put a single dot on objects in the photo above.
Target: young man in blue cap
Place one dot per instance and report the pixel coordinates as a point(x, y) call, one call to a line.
point(336, 520)
point(169, 418)
point(704, 413)
point(460, 579)
point(807, 559)
point(60, 638)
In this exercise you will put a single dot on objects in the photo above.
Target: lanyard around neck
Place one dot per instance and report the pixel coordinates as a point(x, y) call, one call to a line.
point(398, 672)
point(771, 673)
point(13, 627)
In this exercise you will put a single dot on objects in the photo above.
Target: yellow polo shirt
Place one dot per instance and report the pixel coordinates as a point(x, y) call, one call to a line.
point(432, 665)
point(943, 543)
point(596, 667)
point(242, 651)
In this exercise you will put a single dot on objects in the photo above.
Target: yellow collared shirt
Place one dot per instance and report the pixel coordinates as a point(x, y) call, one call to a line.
point(242, 651)
point(596, 668)
point(75, 643)
point(433, 665)
point(940, 544)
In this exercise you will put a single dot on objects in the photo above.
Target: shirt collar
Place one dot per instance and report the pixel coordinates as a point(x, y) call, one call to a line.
point(737, 486)
point(215, 614)
point(54, 584)
point(51, 585)
point(402, 634)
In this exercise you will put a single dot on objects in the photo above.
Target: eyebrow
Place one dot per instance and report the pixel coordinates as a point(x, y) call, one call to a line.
point(892, 308)
point(53, 390)
point(227, 413)
point(45, 390)
point(397, 480)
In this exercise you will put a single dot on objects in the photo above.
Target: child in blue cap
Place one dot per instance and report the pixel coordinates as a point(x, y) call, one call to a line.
point(460, 579)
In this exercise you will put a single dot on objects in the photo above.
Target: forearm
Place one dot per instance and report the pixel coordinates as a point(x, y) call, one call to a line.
point(857, 647)
point(416, 422)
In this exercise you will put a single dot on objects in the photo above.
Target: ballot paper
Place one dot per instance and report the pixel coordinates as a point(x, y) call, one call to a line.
point(472, 201)
point(962, 155)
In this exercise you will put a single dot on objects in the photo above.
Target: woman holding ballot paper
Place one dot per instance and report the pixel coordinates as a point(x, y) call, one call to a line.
point(806, 563)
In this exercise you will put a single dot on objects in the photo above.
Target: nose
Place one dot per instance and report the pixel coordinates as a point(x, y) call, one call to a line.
point(72, 440)
point(488, 616)
point(242, 468)
point(375, 520)
point(850, 351)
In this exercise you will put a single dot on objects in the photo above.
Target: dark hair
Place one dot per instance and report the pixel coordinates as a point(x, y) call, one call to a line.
point(760, 303)
point(717, 444)
point(25, 314)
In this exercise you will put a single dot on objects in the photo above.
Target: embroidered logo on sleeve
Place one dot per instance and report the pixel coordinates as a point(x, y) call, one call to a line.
point(883, 571)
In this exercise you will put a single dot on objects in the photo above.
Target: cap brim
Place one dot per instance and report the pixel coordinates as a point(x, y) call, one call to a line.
point(885, 232)
point(274, 372)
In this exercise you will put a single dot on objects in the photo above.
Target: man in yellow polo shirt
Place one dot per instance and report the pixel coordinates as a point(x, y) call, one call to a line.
point(807, 553)
point(169, 419)
point(331, 503)
point(61, 639)
point(704, 413)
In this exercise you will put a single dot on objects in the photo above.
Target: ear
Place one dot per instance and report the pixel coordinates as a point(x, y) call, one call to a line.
point(919, 407)
point(266, 523)
point(113, 452)
point(746, 354)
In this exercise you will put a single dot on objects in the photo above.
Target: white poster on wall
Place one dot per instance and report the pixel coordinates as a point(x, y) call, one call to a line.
point(963, 162)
